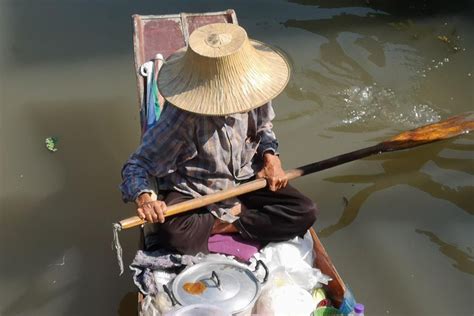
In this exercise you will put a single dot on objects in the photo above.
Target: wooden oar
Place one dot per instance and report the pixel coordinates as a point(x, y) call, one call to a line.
point(446, 129)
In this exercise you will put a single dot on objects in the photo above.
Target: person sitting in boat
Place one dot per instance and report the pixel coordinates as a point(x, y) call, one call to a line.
point(215, 132)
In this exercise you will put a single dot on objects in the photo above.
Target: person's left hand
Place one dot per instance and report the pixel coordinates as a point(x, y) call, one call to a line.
point(273, 172)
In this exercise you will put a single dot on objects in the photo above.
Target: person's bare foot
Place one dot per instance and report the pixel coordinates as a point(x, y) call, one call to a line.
point(221, 227)
point(237, 209)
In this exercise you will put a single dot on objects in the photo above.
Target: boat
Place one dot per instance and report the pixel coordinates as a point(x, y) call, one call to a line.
point(164, 34)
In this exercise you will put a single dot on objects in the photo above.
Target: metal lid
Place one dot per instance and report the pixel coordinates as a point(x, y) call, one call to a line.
point(229, 286)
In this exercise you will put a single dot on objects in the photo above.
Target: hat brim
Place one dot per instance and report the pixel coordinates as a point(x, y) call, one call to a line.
point(230, 91)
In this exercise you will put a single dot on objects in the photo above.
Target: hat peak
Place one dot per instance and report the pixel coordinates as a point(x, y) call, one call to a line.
point(217, 40)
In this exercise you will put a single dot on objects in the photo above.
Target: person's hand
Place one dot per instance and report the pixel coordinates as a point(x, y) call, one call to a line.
point(150, 209)
point(273, 172)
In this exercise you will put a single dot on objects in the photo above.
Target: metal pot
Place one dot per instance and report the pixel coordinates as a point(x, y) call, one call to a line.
point(227, 285)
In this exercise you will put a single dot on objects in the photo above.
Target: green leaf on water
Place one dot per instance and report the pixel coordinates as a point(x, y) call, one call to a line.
point(51, 143)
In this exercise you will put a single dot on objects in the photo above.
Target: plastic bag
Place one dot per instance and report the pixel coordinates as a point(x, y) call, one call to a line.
point(297, 251)
point(296, 258)
point(156, 305)
point(281, 296)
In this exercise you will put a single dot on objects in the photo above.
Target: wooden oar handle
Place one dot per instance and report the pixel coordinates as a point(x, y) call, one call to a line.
point(294, 173)
point(449, 128)
point(131, 222)
point(200, 202)
point(215, 197)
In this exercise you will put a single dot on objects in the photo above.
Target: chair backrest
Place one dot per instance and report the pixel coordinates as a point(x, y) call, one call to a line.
point(164, 34)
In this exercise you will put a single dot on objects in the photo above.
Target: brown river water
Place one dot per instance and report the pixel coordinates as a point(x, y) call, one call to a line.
point(399, 227)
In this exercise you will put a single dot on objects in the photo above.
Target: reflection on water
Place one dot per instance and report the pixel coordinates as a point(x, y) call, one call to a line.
point(336, 67)
point(463, 261)
point(50, 283)
point(395, 166)
point(376, 74)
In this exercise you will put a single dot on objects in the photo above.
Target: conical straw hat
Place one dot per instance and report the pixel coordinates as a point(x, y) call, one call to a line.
point(223, 72)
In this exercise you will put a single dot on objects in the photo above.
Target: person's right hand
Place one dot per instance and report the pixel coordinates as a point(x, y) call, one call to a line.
point(150, 209)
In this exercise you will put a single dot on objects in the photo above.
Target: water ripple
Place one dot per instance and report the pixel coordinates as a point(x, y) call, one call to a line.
point(370, 103)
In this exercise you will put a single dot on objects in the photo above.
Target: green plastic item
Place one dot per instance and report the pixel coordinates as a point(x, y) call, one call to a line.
point(318, 295)
point(325, 311)
point(51, 143)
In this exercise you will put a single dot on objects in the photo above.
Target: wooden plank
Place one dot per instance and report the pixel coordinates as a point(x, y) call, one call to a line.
point(168, 34)
point(138, 55)
point(196, 21)
point(335, 288)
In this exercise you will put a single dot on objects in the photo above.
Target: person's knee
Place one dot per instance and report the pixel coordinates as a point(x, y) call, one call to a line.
point(313, 212)
point(176, 236)
point(188, 234)
point(309, 212)
point(162, 236)
point(175, 242)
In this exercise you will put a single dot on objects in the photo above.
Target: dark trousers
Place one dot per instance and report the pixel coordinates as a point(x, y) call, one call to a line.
point(270, 216)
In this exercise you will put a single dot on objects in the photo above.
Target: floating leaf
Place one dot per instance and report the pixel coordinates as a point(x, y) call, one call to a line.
point(51, 143)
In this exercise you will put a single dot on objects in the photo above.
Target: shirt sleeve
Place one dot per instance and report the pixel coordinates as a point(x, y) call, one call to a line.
point(163, 148)
point(268, 140)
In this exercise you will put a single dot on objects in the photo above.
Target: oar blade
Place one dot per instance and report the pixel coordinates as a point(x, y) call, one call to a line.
point(451, 127)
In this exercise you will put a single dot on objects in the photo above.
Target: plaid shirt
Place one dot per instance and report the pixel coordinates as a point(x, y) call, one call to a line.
point(198, 154)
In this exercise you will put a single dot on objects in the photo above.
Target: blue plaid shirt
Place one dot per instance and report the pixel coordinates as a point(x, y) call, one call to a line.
point(198, 154)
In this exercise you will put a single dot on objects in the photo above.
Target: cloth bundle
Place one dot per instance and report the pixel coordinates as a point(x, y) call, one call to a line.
point(160, 265)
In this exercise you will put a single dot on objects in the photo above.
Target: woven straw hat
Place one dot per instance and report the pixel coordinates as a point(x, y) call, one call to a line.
point(223, 72)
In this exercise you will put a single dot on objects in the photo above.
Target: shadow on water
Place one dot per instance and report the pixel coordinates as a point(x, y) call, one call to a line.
point(400, 7)
point(395, 167)
point(128, 304)
point(73, 223)
point(463, 261)
point(337, 70)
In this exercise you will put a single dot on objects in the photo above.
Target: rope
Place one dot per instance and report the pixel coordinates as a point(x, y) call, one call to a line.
point(117, 246)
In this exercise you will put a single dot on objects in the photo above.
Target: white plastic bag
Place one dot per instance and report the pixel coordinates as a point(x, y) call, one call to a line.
point(285, 300)
point(296, 258)
point(295, 253)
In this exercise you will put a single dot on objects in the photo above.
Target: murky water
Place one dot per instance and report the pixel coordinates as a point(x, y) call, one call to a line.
point(399, 227)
